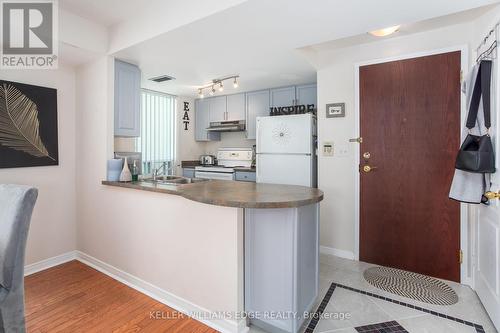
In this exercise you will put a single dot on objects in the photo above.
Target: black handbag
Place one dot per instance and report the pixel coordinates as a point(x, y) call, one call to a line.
point(476, 153)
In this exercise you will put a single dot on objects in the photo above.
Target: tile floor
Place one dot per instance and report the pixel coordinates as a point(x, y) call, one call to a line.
point(362, 311)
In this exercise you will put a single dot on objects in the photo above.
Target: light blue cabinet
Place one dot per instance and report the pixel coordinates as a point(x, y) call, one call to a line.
point(284, 96)
point(307, 94)
point(217, 108)
point(257, 105)
point(202, 121)
point(127, 99)
point(244, 176)
point(188, 172)
point(281, 265)
point(235, 107)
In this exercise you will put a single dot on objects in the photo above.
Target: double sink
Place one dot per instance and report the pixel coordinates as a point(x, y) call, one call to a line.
point(174, 180)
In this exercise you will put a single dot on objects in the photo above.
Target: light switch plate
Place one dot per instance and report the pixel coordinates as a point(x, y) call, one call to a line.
point(328, 149)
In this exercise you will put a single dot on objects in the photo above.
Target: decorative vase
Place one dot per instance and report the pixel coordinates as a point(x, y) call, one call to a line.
point(126, 175)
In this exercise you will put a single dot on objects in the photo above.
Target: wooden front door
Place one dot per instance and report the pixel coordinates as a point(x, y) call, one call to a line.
point(410, 125)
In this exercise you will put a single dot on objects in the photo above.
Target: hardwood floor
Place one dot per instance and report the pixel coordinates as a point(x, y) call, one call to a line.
point(76, 298)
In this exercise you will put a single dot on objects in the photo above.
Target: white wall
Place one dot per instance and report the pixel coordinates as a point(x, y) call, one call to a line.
point(190, 250)
point(187, 148)
point(52, 230)
point(336, 68)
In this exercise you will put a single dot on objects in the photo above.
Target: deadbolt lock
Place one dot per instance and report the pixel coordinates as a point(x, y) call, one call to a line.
point(367, 155)
point(358, 140)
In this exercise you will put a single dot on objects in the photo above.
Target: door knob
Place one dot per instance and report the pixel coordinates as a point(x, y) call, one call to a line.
point(492, 195)
point(368, 168)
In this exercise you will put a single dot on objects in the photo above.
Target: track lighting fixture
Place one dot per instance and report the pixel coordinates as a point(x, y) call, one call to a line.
point(219, 84)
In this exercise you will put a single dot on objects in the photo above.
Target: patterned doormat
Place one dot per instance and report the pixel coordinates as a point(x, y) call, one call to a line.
point(412, 285)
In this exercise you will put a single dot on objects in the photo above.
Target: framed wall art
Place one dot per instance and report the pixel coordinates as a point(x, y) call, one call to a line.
point(28, 125)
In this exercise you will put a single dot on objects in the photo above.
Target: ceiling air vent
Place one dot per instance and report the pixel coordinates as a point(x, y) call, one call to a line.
point(162, 78)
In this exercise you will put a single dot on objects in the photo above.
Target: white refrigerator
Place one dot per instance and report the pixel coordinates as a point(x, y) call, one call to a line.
point(286, 150)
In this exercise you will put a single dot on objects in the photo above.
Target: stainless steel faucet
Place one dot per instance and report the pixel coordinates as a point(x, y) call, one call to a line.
point(166, 167)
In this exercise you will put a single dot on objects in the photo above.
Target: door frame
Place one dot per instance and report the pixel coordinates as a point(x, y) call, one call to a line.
point(465, 277)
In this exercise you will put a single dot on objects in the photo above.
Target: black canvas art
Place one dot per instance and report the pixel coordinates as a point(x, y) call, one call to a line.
point(28, 125)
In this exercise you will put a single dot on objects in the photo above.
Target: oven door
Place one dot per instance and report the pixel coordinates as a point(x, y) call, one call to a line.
point(214, 175)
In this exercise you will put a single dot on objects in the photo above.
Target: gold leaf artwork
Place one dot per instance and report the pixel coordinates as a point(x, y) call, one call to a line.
point(19, 125)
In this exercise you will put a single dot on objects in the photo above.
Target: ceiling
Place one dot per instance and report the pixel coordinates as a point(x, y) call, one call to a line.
point(260, 39)
point(105, 12)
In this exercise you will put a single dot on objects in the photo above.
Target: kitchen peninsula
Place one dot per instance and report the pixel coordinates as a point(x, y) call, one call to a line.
point(280, 244)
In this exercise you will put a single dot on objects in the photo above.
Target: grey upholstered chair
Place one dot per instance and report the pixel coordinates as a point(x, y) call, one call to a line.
point(16, 206)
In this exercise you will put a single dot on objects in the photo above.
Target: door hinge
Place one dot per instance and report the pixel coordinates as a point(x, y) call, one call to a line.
point(461, 256)
point(461, 76)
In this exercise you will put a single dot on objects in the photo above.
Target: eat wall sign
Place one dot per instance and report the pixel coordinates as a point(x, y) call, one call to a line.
point(292, 109)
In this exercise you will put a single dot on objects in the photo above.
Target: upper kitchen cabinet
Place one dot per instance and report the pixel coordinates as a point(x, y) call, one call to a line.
point(257, 105)
point(235, 107)
point(202, 121)
point(127, 99)
point(307, 94)
point(217, 108)
point(282, 96)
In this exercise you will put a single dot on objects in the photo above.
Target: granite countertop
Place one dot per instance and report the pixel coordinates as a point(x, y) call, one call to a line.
point(234, 194)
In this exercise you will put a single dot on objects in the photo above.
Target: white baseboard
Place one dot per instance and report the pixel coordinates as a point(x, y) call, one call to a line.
point(337, 252)
point(162, 296)
point(48, 263)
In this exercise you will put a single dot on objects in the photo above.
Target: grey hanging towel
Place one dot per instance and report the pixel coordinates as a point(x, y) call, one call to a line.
point(467, 186)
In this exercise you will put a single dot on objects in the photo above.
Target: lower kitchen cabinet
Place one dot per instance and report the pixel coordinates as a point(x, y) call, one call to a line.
point(281, 265)
point(245, 176)
point(188, 172)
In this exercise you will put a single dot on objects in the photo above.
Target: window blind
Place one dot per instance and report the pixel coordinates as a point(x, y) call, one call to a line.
point(157, 140)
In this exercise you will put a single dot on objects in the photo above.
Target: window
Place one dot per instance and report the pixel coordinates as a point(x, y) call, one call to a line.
point(157, 140)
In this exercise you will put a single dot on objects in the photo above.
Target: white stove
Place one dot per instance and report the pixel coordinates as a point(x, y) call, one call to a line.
point(227, 160)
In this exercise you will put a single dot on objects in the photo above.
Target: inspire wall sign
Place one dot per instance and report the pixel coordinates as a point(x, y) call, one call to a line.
point(28, 125)
point(292, 109)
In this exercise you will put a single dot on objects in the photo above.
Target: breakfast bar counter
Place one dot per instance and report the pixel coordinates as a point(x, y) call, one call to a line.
point(279, 242)
point(233, 193)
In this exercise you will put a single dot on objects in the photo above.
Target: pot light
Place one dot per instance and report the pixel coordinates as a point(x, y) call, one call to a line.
point(385, 32)
point(200, 93)
point(235, 83)
point(221, 87)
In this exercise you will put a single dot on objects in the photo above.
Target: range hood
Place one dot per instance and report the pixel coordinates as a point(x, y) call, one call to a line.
point(227, 126)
